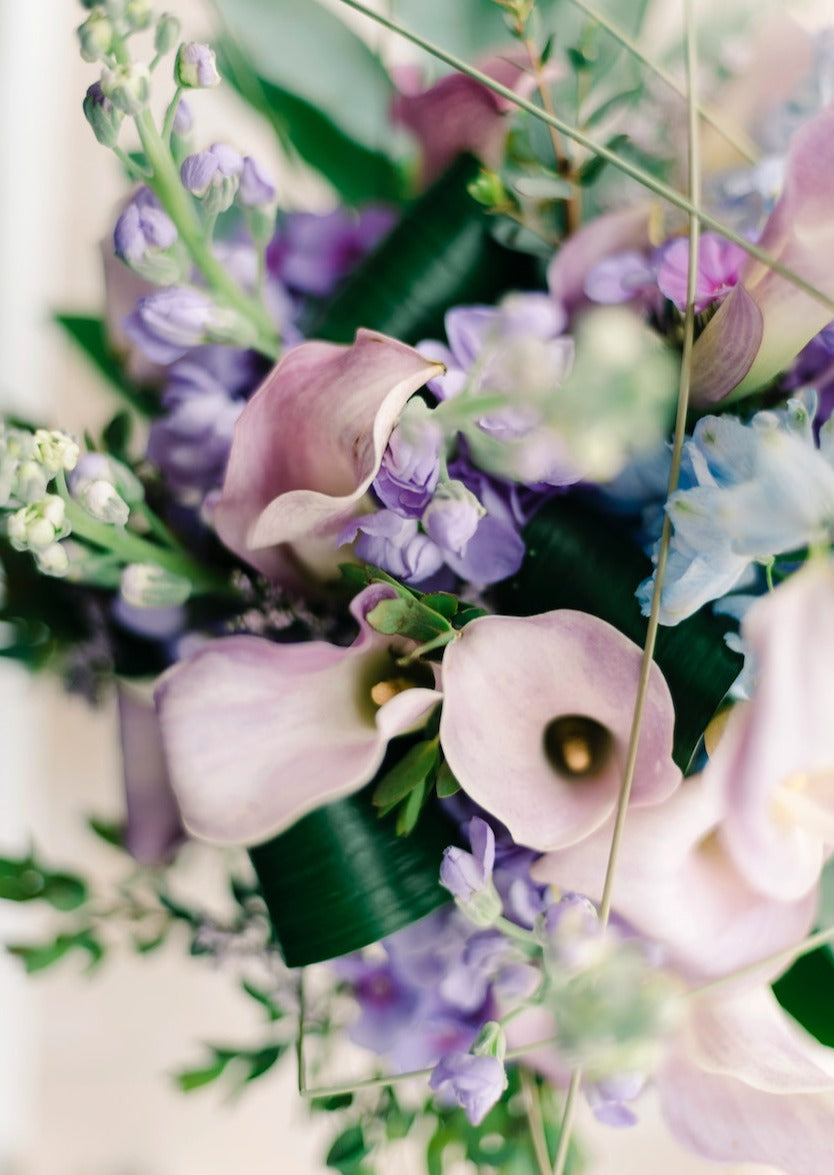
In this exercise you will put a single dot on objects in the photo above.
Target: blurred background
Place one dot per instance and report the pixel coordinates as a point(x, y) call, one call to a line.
point(86, 1063)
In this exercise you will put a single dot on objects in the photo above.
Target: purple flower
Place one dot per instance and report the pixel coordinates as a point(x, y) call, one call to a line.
point(143, 225)
point(183, 119)
point(196, 66)
point(466, 875)
point(213, 175)
point(169, 322)
point(719, 261)
point(452, 517)
point(394, 543)
point(256, 189)
point(475, 1083)
point(154, 828)
point(609, 1098)
point(620, 278)
point(411, 464)
point(313, 253)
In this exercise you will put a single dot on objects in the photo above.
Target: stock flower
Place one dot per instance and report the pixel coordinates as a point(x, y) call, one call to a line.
point(474, 1082)
point(774, 764)
point(766, 320)
point(536, 719)
point(622, 232)
point(257, 734)
point(143, 226)
point(307, 447)
point(718, 265)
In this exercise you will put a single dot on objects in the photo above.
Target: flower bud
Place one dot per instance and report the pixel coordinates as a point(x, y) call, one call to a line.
point(491, 1041)
point(452, 516)
point(55, 450)
point(138, 14)
point(213, 177)
point(196, 67)
point(167, 33)
point(102, 115)
point(37, 526)
point(53, 560)
point(31, 480)
point(95, 36)
point(256, 188)
point(145, 238)
point(146, 585)
point(128, 87)
point(101, 499)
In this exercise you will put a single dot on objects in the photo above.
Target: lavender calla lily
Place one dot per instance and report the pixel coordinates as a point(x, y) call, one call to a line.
point(799, 233)
point(536, 718)
point(257, 734)
point(307, 447)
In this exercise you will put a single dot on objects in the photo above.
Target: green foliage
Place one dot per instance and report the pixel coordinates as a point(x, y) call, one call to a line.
point(245, 1065)
point(38, 957)
point(24, 879)
point(273, 1011)
point(348, 1151)
point(417, 765)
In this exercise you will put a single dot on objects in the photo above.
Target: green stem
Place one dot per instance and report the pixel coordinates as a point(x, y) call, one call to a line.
point(134, 171)
point(170, 115)
point(130, 548)
point(179, 206)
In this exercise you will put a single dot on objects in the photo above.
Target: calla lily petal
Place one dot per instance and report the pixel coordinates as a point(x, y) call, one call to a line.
point(615, 232)
point(508, 679)
point(257, 734)
point(800, 234)
point(154, 827)
point(724, 354)
point(307, 447)
point(775, 763)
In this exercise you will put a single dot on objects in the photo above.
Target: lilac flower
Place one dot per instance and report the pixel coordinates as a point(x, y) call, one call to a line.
point(196, 66)
point(394, 543)
point(468, 876)
point(169, 322)
point(451, 518)
point(143, 225)
point(719, 261)
point(312, 254)
point(256, 189)
point(474, 1082)
point(411, 463)
point(213, 176)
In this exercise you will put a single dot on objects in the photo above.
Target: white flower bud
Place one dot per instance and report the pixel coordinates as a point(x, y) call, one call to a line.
point(128, 87)
point(16, 529)
point(95, 36)
point(101, 499)
point(56, 450)
point(138, 14)
point(30, 481)
point(53, 509)
point(53, 560)
point(146, 585)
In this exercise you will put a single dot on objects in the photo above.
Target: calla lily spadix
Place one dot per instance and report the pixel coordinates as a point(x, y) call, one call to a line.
point(307, 447)
point(257, 734)
point(766, 320)
point(536, 718)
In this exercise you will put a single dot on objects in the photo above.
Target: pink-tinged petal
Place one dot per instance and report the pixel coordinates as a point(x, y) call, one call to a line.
point(307, 447)
point(506, 679)
point(459, 115)
point(727, 1097)
point(615, 232)
point(154, 827)
point(257, 734)
point(800, 234)
point(775, 764)
point(725, 352)
point(671, 860)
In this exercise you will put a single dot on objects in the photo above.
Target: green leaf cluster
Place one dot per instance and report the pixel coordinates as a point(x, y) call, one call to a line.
point(244, 1064)
point(25, 879)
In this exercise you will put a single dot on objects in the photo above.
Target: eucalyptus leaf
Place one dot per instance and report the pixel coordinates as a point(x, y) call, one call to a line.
point(576, 558)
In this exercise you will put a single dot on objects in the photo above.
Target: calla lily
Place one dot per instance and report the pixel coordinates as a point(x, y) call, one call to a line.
point(766, 320)
point(671, 859)
point(775, 762)
point(307, 447)
point(459, 115)
point(536, 718)
point(257, 734)
point(154, 827)
point(615, 232)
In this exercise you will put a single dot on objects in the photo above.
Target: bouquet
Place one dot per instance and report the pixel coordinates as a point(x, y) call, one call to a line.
point(459, 560)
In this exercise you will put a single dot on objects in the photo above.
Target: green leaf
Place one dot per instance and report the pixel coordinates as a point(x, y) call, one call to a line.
point(64, 891)
point(807, 992)
point(439, 255)
point(264, 999)
point(576, 558)
point(592, 170)
point(408, 617)
point(414, 768)
point(339, 1101)
point(21, 880)
point(112, 832)
point(189, 1079)
point(446, 785)
point(359, 174)
point(41, 956)
point(409, 813)
point(262, 1060)
point(348, 1150)
point(308, 51)
point(90, 334)
point(115, 437)
point(443, 602)
point(342, 878)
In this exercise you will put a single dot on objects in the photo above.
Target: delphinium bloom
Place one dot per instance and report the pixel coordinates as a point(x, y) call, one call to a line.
point(256, 734)
point(750, 491)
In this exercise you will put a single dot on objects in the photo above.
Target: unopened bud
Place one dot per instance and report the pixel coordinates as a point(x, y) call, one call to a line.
point(167, 33)
point(95, 36)
point(146, 585)
point(102, 500)
point(488, 189)
point(491, 1041)
point(56, 450)
point(37, 526)
point(128, 87)
point(102, 115)
point(196, 67)
point(53, 560)
point(31, 480)
point(138, 14)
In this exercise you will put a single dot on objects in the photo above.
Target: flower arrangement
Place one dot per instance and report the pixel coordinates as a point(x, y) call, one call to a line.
point(462, 557)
